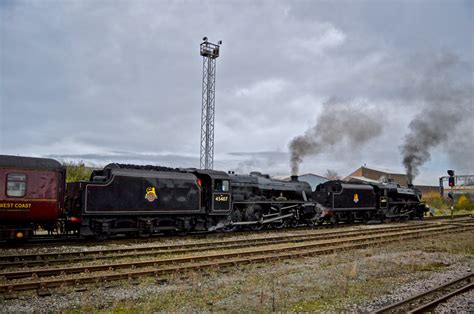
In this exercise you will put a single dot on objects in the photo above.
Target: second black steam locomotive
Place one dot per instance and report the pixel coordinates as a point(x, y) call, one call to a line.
point(349, 202)
point(143, 200)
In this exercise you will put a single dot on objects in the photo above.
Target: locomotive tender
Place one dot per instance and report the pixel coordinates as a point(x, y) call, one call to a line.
point(142, 200)
point(147, 199)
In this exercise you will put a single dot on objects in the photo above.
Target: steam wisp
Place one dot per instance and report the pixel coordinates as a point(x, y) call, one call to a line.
point(339, 122)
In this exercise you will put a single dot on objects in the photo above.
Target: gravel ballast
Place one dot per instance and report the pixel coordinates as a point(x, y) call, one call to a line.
point(356, 280)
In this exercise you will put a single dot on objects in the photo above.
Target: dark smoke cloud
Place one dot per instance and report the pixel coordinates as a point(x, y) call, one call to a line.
point(446, 103)
point(338, 123)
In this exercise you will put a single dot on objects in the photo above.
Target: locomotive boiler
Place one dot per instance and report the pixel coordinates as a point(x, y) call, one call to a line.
point(260, 201)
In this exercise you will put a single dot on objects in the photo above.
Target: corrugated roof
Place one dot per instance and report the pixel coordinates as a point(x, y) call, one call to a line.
point(385, 170)
point(287, 177)
point(316, 175)
point(363, 179)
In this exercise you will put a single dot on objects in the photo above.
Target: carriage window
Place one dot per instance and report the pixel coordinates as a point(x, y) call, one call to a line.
point(221, 186)
point(16, 184)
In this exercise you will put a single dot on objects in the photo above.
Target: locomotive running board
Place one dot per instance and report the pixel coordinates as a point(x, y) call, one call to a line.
point(398, 216)
point(277, 218)
point(246, 223)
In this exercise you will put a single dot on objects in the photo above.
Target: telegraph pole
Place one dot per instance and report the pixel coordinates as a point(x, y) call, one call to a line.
point(209, 52)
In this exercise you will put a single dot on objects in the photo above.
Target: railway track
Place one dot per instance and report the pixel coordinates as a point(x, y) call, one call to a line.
point(51, 258)
point(427, 301)
point(43, 239)
point(58, 257)
point(40, 241)
point(44, 279)
point(447, 217)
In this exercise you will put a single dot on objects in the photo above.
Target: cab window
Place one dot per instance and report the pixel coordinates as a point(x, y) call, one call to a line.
point(16, 184)
point(221, 185)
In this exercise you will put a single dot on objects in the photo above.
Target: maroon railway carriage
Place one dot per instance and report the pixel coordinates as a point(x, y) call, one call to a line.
point(31, 195)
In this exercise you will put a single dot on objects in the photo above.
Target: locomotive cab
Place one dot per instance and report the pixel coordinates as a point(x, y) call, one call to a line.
point(216, 191)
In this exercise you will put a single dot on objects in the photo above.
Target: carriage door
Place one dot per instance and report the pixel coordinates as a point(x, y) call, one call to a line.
point(221, 195)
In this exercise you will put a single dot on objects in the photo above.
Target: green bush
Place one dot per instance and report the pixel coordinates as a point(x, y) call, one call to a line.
point(462, 202)
point(77, 172)
point(434, 199)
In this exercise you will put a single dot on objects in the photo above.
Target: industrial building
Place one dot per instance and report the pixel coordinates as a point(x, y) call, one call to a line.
point(365, 174)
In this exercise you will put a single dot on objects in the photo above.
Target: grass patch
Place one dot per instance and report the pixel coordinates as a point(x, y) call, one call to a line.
point(435, 266)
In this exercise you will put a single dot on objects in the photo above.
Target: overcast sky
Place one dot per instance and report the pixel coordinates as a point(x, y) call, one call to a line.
point(120, 81)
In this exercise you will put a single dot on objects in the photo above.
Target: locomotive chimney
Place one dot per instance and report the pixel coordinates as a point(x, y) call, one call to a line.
point(294, 178)
point(409, 180)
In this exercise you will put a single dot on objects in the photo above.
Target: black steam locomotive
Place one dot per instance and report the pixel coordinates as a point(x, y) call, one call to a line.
point(142, 200)
point(346, 201)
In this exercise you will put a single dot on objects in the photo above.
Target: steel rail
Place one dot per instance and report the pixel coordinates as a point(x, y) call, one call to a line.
point(432, 305)
point(446, 217)
point(157, 262)
point(10, 288)
point(190, 248)
point(428, 300)
point(40, 240)
point(54, 257)
point(21, 257)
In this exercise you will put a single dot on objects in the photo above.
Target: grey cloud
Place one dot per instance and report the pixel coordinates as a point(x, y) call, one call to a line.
point(100, 160)
point(88, 77)
point(271, 154)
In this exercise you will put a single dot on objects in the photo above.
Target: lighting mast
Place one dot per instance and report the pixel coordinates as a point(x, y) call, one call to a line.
point(209, 53)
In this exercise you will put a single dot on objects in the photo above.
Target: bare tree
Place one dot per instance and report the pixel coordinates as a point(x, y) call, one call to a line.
point(332, 174)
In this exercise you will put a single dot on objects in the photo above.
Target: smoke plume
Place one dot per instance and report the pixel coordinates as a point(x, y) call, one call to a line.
point(446, 102)
point(353, 124)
